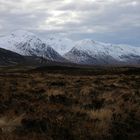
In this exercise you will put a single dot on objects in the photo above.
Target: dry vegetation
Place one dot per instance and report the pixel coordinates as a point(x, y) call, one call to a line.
point(70, 104)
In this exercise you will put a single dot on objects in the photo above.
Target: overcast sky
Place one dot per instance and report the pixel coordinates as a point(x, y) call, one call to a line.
point(114, 21)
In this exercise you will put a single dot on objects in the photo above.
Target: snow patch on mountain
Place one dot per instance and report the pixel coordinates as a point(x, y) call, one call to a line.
point(60, 43)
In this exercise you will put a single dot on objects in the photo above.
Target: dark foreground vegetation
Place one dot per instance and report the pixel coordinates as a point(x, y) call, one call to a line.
point(65, 103)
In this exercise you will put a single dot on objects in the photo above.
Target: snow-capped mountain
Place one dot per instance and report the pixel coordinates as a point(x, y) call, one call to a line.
point(91, 52)
point(60, 43)
point(26, 43)
point(61, 49)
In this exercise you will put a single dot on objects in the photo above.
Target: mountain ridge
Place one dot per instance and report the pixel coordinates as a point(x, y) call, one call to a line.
point(91, 52)
point(61, 49)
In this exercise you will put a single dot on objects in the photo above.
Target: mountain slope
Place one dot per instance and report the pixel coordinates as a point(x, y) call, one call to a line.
point(91, 52)
point(28, 44)
point(10, 58)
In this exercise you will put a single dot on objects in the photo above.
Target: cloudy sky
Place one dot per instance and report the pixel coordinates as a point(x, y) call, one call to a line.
point(115, 21)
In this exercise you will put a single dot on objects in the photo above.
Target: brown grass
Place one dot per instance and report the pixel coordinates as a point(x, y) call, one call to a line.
point(10, 123)
point(42, 105)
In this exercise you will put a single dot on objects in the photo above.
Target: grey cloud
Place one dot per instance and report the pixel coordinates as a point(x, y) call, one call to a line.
point(105, 19)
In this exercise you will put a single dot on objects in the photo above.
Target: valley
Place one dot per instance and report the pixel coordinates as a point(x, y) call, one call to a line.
point(58, 89)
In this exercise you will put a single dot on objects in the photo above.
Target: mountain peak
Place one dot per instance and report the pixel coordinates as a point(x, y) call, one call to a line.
point(86, 41)
point(87, 44)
